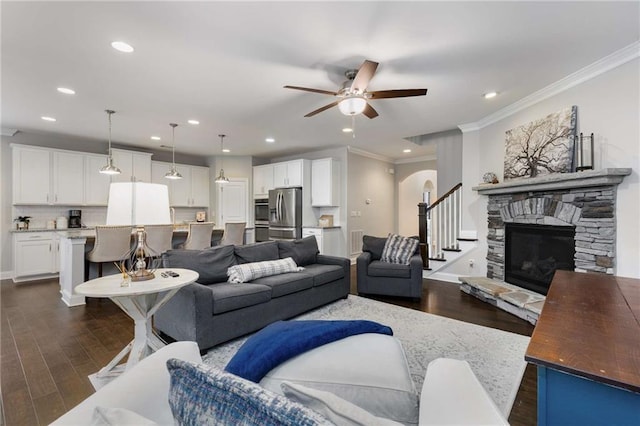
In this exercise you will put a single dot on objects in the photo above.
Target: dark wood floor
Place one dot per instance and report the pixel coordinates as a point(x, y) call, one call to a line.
point(48, 349)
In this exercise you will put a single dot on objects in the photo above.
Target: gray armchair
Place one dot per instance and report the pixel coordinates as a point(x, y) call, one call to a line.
point(389, 279)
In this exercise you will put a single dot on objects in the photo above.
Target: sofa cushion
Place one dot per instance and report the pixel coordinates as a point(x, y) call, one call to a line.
point(267, 250)
point(323, 274)
point(251, 271)
point(211, 263)
point(229, 297)
point(369, 370)
point(304, 251)
point(399, 249)
point(373, 245)
point(201, 395)
point(334, 408)
point(286, 283)
point(378, 268)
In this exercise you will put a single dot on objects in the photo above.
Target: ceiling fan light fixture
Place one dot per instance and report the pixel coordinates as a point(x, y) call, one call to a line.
point(352, 105)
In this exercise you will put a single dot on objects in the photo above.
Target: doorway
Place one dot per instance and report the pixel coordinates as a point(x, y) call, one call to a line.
point(232, 201)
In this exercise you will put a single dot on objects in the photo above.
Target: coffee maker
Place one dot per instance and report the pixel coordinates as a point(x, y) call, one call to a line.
point(75, 218)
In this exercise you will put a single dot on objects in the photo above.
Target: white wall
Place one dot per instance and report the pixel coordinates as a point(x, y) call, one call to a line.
point(608, 106)
point(410, 193)
point(370, 179)
point(449, 152)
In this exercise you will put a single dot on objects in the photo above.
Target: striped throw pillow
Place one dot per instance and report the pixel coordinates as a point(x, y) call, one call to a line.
point(250, 271)
point(399, 249)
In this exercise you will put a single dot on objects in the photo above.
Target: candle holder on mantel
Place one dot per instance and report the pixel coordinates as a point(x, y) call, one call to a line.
point(584, 153)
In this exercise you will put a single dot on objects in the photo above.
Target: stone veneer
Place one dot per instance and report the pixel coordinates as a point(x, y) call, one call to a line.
point(586, 200)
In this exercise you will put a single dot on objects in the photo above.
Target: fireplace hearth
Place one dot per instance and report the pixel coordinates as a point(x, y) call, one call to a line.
point(534, 252)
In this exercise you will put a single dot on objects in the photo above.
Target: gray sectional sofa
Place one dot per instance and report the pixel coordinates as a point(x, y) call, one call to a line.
point(212, 310)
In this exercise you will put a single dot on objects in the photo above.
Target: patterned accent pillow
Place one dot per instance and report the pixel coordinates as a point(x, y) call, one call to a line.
point(250, 271)
point(204, 395)
point(399, 249)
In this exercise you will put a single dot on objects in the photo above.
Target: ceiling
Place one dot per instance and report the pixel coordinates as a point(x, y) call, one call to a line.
point(224, 64)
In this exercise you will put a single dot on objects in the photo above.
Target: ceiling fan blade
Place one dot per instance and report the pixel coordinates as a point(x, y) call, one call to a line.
point(319, 110)
point(307, 89)
point(370, 112)
point(381, 94)
point(364, 75)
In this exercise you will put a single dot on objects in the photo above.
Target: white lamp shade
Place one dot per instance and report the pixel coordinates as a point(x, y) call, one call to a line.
point(137, 203)
point(352, 105)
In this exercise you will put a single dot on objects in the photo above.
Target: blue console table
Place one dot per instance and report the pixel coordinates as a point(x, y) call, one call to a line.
point(586, 346)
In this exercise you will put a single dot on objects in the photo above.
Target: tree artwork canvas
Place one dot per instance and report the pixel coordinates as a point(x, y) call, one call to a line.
point(542, 146)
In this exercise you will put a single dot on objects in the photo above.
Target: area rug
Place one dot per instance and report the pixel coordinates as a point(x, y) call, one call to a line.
point(495, 356)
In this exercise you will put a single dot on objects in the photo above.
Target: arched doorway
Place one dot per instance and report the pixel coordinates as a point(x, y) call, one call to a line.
point(411, 191)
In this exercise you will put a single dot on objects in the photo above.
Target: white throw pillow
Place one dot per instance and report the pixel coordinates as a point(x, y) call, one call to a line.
point(250, 271)
point(334, 408)
point(107, 416)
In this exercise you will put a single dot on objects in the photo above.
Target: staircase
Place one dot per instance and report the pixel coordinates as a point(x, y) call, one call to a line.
point(440, 241)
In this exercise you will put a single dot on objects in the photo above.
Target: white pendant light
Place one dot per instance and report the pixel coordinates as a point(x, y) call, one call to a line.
point(109, 168)
point(352, 105)
point(221, 177)
point(173, 174)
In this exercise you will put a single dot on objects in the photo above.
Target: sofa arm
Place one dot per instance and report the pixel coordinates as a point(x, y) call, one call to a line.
point(415, 264)
point(340, 261)
point(180, 316)
point(143, 389)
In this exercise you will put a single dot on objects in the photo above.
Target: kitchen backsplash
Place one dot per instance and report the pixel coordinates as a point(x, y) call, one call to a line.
point(91, 216)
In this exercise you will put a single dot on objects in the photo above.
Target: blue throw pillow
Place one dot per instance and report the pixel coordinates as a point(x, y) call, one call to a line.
point(205, 395)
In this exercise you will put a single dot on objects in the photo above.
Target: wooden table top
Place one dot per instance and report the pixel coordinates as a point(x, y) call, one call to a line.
point(590, 327)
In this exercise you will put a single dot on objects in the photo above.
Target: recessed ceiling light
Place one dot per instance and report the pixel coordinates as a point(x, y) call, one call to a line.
point(155, 138)
point(347, 130)
point(66, 91)
point(194, 122)
point(270, 140)
point(406, 150)
point(45, 118)
point(121, 46)
point(226, 150)
point(490, 95)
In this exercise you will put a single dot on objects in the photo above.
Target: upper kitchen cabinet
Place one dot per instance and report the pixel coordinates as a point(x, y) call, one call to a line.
point(134, 166)
point(325, 182)
point(68, 178)
point(288, 173)
point(190, 191)
point(262, 180)
point(31, 175)
point(96, 184)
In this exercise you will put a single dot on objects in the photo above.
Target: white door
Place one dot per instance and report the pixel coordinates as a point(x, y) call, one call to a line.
point(233, 201)
point(181, 188)
point(68, 178)
point(280, 175)
point(294, 173)
point(141, 163)
point(124, 161)
point(31, 176)
point(199, 186)
point(96, 184)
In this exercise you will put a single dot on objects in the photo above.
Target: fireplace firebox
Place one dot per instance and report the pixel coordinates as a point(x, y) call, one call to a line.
point(534, 252)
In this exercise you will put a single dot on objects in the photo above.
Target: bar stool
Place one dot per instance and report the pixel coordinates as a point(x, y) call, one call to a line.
point(158, 239)
point(199, 236)
point(233, 234)
point(113, 243)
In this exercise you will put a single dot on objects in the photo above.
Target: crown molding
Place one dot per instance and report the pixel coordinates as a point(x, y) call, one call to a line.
point(415, 159)
point(595, 69)
point(5, 131)
point(363, 153)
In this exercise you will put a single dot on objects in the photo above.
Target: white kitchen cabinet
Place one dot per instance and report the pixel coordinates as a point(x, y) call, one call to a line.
point(328, 239)
point(190, 191)
point(34, 255)
point(134, 166)
point(68, 178)
point(262, 180)
point(325, 182)
point(96, 184)
point(288, 173)
point(31, 175)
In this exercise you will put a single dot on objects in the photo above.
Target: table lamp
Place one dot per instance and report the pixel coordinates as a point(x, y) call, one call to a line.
point(138, 204)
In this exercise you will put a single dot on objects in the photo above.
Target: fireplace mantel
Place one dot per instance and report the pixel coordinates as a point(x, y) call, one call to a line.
point(588, 178)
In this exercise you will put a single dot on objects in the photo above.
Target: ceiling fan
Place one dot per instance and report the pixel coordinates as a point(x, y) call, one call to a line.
point(353, 96)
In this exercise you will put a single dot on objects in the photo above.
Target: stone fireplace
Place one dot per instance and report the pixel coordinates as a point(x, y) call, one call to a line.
point(585, 201)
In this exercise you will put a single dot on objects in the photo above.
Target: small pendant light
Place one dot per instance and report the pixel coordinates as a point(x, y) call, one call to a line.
point(173, 173)
point(109, 168)
point(221, 177)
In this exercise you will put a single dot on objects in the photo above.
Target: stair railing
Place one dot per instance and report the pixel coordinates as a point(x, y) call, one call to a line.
point(439, 225)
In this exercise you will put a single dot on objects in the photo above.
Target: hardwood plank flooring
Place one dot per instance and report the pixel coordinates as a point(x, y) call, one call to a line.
point(49, 349)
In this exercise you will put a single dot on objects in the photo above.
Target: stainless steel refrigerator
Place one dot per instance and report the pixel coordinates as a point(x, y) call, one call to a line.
point(285, 214)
